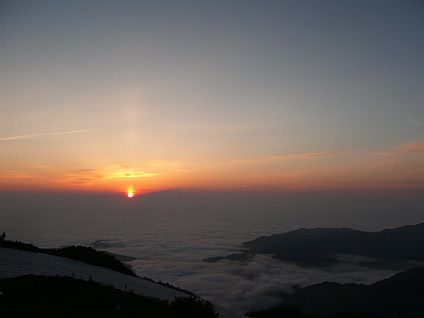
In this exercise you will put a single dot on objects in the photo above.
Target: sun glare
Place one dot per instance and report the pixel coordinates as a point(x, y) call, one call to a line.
point(130, 192)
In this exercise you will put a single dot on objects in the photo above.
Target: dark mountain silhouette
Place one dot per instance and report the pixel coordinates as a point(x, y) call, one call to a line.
point(294, 312)
point(320, 246)
point(44, 296)
point(401, 295)
point(241, 257)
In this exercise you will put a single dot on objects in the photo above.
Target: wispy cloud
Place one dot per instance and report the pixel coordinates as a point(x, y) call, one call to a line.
point(229, 128)
point(132, 174)
point(301, 156)
point(83, 176)
point(13, 174)
point(292, 157)
point(412, 147)
point(415, 122)
point(404, 149)
point(125, 171)
point(115, 173)
point(70, 132)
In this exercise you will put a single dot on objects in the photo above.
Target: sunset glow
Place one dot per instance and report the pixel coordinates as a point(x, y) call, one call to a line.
point(232, 148)
point(219, 118)
point(130, 192)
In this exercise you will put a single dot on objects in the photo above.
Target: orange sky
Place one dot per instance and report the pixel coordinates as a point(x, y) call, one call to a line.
point(283, 96)
point(398, 167)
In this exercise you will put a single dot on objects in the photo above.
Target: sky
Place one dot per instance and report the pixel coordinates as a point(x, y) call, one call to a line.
point(217, 95)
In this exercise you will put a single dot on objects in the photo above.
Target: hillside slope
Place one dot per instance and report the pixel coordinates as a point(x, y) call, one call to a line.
point(17, 263)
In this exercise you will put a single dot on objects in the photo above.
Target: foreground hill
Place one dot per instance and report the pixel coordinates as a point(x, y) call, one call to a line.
point(320, 246)
point(24, 262)
point(80, 253)
point(15, 263)
point(401, 295)
point(44, 296)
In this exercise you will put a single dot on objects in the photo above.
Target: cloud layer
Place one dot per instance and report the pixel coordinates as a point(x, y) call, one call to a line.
point(243, 286)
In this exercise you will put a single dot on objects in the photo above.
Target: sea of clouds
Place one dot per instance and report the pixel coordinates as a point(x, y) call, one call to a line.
point(168, 235)
point(257, 283)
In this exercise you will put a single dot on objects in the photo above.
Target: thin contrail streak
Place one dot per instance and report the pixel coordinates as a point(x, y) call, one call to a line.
point(44, 134)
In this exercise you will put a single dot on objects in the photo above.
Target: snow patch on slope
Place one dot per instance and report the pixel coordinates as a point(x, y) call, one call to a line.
point(16, 263)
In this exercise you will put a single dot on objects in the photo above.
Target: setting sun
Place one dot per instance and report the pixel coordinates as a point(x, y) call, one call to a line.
point(261, 143)
point(130, 192)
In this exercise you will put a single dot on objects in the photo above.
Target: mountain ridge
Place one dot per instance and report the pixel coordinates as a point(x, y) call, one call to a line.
point(322, 246)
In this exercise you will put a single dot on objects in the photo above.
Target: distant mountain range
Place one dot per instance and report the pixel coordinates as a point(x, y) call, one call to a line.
point(401, 295)
point(321, 246)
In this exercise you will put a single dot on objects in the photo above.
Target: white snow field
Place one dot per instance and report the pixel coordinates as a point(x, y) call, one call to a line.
point(16, 263)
